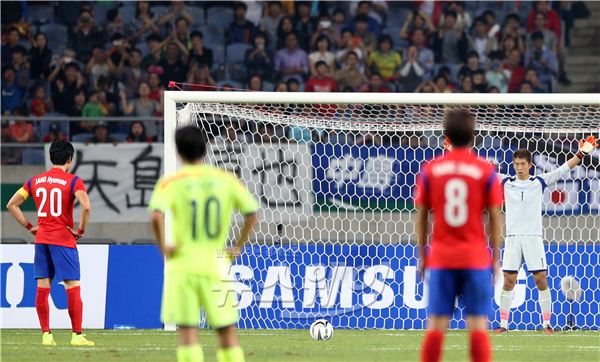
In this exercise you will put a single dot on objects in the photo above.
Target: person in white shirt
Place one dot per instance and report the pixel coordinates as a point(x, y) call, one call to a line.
point(523, 196)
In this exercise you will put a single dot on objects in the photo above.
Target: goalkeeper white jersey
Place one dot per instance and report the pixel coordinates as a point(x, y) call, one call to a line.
point(523, 201)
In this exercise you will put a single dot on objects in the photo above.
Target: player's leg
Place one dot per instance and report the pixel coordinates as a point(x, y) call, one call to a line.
point(230, 350)
point(189, 349)
point(43, 272)
point(512, 259)
point(442, 294)
point(535, 258)
point(477, 293)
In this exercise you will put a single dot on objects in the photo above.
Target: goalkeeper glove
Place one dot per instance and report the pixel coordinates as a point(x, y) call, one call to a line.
point(586, 146)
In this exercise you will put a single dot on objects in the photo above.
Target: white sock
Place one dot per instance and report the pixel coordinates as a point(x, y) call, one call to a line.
point(506, 297)
point(545, 300)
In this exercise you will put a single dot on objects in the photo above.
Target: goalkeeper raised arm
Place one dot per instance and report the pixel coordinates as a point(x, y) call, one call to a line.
point(523, 196)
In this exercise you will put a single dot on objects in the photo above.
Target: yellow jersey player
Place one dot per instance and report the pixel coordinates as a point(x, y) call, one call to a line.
point(202, 199)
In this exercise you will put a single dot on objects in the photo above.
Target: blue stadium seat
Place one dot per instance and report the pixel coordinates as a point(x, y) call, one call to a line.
point(218, 53)
point(268, 86)
point(99, 11)
point(56, 33)
point(398, 18)
point(219, 15)
point(120, 137)
point(33, 156)
point(40, 14)
point(197, 15)
point(82, 137)
point(229, 83)
point(127, 14)
point(213, 35)
point(236, 52)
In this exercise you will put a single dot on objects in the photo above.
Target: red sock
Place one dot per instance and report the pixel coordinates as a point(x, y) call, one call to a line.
point(75, 307)
point(42, 308)
point(481, 350)
point(431, 350)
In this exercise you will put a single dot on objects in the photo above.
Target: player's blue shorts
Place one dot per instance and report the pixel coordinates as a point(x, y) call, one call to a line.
point(473, 285)
point(52, 261)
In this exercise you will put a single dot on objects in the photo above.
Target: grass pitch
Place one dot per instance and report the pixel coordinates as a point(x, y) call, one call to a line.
point(296, 345)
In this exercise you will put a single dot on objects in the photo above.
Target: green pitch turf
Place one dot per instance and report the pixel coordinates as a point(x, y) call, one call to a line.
point(296, 345)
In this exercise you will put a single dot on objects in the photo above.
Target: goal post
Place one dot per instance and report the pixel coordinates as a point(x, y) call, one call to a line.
point(335, 172)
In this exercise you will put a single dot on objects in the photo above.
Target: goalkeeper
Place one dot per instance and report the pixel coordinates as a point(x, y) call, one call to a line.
point(202, 199)
point(523, 196)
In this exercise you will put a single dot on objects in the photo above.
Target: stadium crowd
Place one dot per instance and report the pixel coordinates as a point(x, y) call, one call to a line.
point(99, 59)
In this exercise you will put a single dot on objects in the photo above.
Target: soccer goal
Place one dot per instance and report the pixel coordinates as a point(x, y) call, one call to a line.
point(335, 174)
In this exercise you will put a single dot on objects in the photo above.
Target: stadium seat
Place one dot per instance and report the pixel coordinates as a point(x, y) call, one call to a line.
point(229, 83)
point(99, 11)
point(56, 33)
point(40, 14)
point(398, 19)
point(218, 53)
point(213, 35)
point(82, 137)
point(127, 14)
point(33, 156)
point(120, 137)
point(220, 16)
point(268, 86)
point(197, 15)
point(236, 52)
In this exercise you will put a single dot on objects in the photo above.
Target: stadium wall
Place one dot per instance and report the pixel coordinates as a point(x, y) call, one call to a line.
point(354, 286)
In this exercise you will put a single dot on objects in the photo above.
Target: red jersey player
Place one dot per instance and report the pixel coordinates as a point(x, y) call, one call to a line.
point(54, 193)
point(458, 187)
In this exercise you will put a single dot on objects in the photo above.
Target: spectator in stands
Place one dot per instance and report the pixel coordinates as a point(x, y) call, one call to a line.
point(322, 53)
point(269, 23)
point(130, 73)
point(101, 135)
point(385, 60)
point(369, 41)
point(551, 16)
point(510, 43)
point(480, 84)
point(416, 20)
point(286, 26)
point(76, 108)
point(304, 24)
point(350, 43)
point(445, 72)
point(259, 60)
point(441, 84)
point(107, 94)
point(324, 29)
point(156, 88)
point(155, 44)
point(144, 24)
point(466, 84)
point(86, 35)
point(498, 76)
point(93, 108)
point(513, 64)
point(512, 28)
point(473, 65)
point(12, 40)
point(199, 78)
point(490, 22)
point(255, 83)
point(10, 155)
point(376, 84)
point(364, 13)
point(20, 130)
point(18, 60)
point(99, 65)
point(449, 44)
point(198, 51)
point(463, 18)
point(426, 87)
point(142, 107)
point(115, 23)
point(241, 30)
point(182, 32)
point(293, 85)
point(281, 87)
point(426, 57)
point(54, 134)
point(176, 10)
point(350, 76)
point(550, 40)
point(321, 81)
point(338, 23)
point(137, 133)
point(525, 87)
point(40, 57)
point(412, 73)
point(175, 66)
point(531, 76)
point(40, 103)
point(12, 93)
point(544, 61)
point(480, 41)
point(292, 61)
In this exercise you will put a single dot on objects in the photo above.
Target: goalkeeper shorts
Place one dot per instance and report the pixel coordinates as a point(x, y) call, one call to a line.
point(524, 247)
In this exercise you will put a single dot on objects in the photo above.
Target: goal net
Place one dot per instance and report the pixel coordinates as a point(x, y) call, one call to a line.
point(335, 175)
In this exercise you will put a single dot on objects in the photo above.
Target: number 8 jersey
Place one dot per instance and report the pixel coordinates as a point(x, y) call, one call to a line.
point(53, 193)
point(457, 187)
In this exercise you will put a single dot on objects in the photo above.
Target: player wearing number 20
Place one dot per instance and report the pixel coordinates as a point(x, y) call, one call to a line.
point(458, 187)
point(202, 199)
point(54, 193)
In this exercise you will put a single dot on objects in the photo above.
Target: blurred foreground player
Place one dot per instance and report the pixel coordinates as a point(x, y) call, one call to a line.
point(54, 193)
point(202, 199)
point(458, 187)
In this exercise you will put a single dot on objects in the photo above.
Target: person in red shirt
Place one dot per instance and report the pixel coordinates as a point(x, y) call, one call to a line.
point(321, 82)
point(552, 18)
point(458, 187)
point(54, 193)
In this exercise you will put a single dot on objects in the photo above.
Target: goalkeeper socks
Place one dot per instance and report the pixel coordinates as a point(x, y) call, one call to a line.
point(431, 350)
point(545, 300)
point(505, 302)
point(481, 350)
point(75, 306)
point(42, 308)
point(192, 353)
point(232, 354)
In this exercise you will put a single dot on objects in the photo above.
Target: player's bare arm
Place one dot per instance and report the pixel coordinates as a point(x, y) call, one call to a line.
point(495, 220)
point(421, 219)
point(14, 207)
point(84, 216)
point(157, 224)
point(250, 221)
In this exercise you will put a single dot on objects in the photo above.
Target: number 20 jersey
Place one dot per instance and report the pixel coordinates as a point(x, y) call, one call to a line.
point(53, 193)
point(457, 187)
